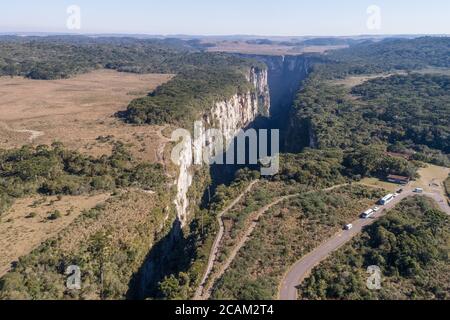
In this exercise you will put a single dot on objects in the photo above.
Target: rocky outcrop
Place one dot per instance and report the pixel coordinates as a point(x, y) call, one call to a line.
point(228, 117)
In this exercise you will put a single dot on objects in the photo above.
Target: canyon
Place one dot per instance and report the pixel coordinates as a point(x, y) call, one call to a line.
point(265, 106)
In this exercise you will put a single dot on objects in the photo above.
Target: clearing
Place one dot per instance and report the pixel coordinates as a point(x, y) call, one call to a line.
point(267, 49)
point(27, 223)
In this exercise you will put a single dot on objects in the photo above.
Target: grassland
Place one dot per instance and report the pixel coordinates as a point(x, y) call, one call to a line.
point(79, 112)
point(28, 223)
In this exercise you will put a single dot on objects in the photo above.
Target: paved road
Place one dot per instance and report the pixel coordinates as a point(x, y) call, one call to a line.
point(301, 269)
point(215, 247)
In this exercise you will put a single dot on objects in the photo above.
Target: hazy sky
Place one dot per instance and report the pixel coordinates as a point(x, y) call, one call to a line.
point(214, 17)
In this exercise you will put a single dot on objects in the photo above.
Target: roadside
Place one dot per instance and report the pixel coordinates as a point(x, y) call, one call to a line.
point(433, 188)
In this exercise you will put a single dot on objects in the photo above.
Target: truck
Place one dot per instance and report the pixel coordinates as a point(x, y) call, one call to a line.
point(385, 200)
point(367, 214)
point(418, 190)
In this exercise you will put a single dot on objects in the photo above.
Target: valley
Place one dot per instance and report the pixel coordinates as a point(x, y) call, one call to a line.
point(87, 176)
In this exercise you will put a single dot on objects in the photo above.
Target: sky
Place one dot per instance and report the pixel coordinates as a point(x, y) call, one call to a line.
point(228, 17)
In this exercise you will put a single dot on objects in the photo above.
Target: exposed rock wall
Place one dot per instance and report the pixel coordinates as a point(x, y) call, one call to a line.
point(228, 117)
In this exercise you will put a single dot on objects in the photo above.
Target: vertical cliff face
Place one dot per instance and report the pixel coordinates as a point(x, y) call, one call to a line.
point(285, 76)
point(228, 117)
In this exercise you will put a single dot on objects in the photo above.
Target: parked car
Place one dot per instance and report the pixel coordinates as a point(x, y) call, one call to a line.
point(376, 209)
point(418, 190)
point(348, 226)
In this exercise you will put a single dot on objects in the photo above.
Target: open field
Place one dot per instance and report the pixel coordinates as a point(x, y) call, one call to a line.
point(78, 112)
point(432, 179)
point(27, 223)
point(268, 49)
point(353, 81)
point(374, 182)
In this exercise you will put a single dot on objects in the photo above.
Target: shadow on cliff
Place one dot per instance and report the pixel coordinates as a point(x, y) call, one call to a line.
point(171, 255)
point(162, 260)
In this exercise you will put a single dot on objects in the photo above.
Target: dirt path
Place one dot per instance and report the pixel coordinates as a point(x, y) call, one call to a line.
point(207, 289)
point(215, 247)
point(34, 134)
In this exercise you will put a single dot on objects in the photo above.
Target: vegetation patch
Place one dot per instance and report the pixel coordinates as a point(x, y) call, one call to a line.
point(57, 171)
point(286, 232)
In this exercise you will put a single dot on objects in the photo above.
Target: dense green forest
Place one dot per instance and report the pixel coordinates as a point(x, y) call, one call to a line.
point(403, 113)
point(61, 57)
point(410, 245)
point(57, 171)
point(181, 100)
point(388, 55)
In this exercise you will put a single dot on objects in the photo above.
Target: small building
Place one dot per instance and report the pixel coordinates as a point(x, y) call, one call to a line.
point(398, 179)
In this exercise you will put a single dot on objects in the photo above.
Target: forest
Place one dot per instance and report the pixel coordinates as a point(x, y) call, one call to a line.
point(388, 55)
point(410, 247)
point(406, 114)
point(181, 100)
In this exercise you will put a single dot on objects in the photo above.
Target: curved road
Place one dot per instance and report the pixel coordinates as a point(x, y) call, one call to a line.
point(208, 288)
point(301, 269)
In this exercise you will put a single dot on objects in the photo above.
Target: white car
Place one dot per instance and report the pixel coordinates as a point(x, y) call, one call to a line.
point(348, 226)
point(376, 209)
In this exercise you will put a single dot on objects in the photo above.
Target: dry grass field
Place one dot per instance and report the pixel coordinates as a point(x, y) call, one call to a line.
point(354, 81)
point(267, 49)
point(28, 223)
point(432, 178)
point(78, 112)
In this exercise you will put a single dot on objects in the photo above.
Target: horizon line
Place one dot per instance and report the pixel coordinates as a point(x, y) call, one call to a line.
point(175, 35)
